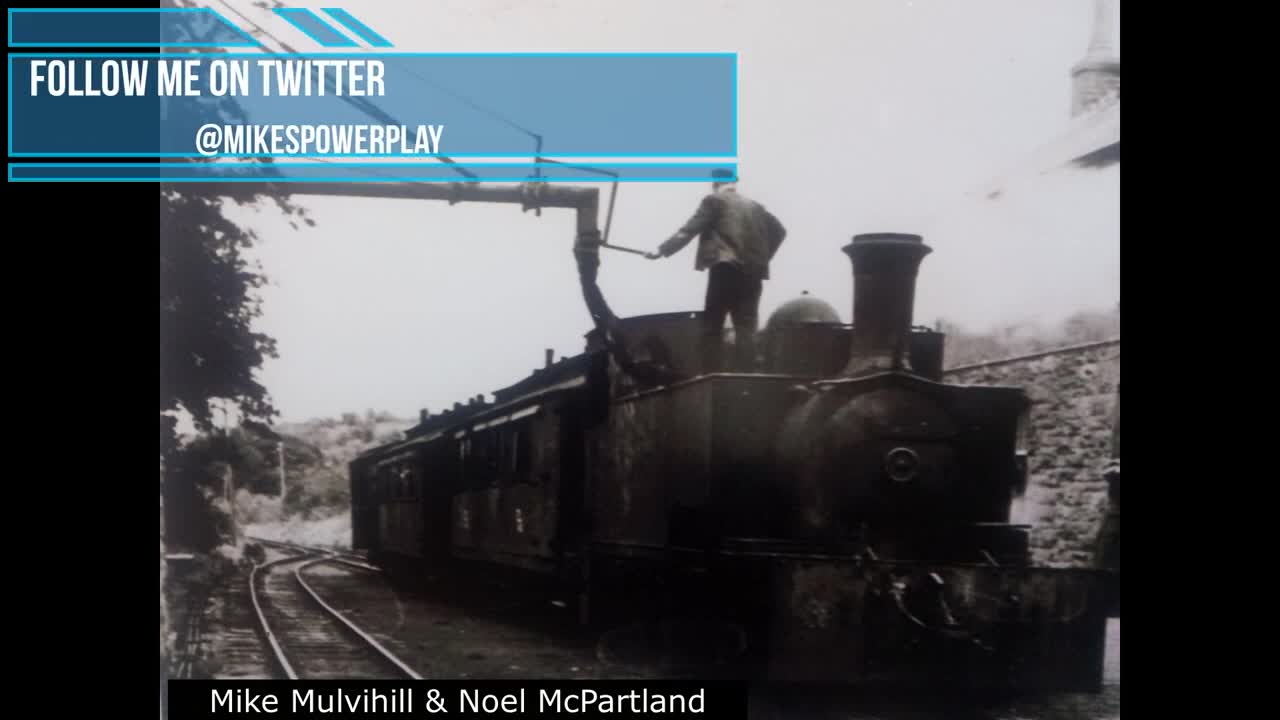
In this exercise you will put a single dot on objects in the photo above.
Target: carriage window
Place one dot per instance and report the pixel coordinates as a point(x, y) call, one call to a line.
point(493, 450)
point(524, 450)
point(514, 454)
point(500, 443)
point(517, 456)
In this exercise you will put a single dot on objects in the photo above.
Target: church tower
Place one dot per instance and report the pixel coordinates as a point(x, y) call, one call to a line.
point(1098, 74)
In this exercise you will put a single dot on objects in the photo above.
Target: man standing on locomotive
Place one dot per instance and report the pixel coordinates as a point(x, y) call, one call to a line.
point(737, 238)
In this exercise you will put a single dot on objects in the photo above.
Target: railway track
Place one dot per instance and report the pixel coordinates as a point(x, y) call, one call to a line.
point(306, 636)
point(344, 558)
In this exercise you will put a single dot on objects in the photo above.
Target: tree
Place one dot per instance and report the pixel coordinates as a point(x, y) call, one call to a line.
point(209, 350)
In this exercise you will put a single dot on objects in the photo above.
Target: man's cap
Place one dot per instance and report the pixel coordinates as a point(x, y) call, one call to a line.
point(723, 175)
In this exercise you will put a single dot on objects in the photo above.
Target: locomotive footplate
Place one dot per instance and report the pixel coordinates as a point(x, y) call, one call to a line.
point(841, 621)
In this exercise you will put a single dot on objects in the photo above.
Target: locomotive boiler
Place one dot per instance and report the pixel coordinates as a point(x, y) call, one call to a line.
point(843, 509)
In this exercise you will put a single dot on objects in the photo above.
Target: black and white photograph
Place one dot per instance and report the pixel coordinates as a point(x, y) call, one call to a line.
point(833, 415)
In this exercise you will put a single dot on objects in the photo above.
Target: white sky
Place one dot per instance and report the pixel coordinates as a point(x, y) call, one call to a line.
point(854, 116)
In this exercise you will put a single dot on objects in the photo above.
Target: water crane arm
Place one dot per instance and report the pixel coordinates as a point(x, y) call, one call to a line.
point(583, 201)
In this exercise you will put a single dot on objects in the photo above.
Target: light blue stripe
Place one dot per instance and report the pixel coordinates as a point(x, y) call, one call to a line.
point(380, 55)
point(386, 165)
point(296, 16)
point(351, 155)
point(251, 172)
point(247, 36)
point(365, 179)
point(364, 31)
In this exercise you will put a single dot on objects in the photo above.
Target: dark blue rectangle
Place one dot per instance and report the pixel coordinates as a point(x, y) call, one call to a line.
point(126, 27)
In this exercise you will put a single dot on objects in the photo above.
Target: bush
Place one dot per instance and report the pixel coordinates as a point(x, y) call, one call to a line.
point(251, 508)
point(322, 493)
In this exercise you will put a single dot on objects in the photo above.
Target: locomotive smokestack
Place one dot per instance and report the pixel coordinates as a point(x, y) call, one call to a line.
point(884, 288)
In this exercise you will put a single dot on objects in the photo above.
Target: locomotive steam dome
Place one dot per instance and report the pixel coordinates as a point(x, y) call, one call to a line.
point(802, 310)
point(804, 336)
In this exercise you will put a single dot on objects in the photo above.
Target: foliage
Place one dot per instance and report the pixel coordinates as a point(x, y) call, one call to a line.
point(196, 513)
point(324, 491)
point(254, 456)
point(315, 457)
point(342, 439)
point(209, 350)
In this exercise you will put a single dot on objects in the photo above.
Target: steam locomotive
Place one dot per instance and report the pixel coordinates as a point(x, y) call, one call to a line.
point(845, 508)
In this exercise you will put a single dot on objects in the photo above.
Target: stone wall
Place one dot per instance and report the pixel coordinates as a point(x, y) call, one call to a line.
point(1074, 394)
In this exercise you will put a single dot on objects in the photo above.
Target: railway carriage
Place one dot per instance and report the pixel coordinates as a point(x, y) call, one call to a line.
point(844, 508)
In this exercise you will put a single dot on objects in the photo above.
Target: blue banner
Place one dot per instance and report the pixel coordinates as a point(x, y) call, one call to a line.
point(373, 104)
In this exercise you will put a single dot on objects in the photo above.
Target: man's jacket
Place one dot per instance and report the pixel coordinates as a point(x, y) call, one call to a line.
point(730, 228)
